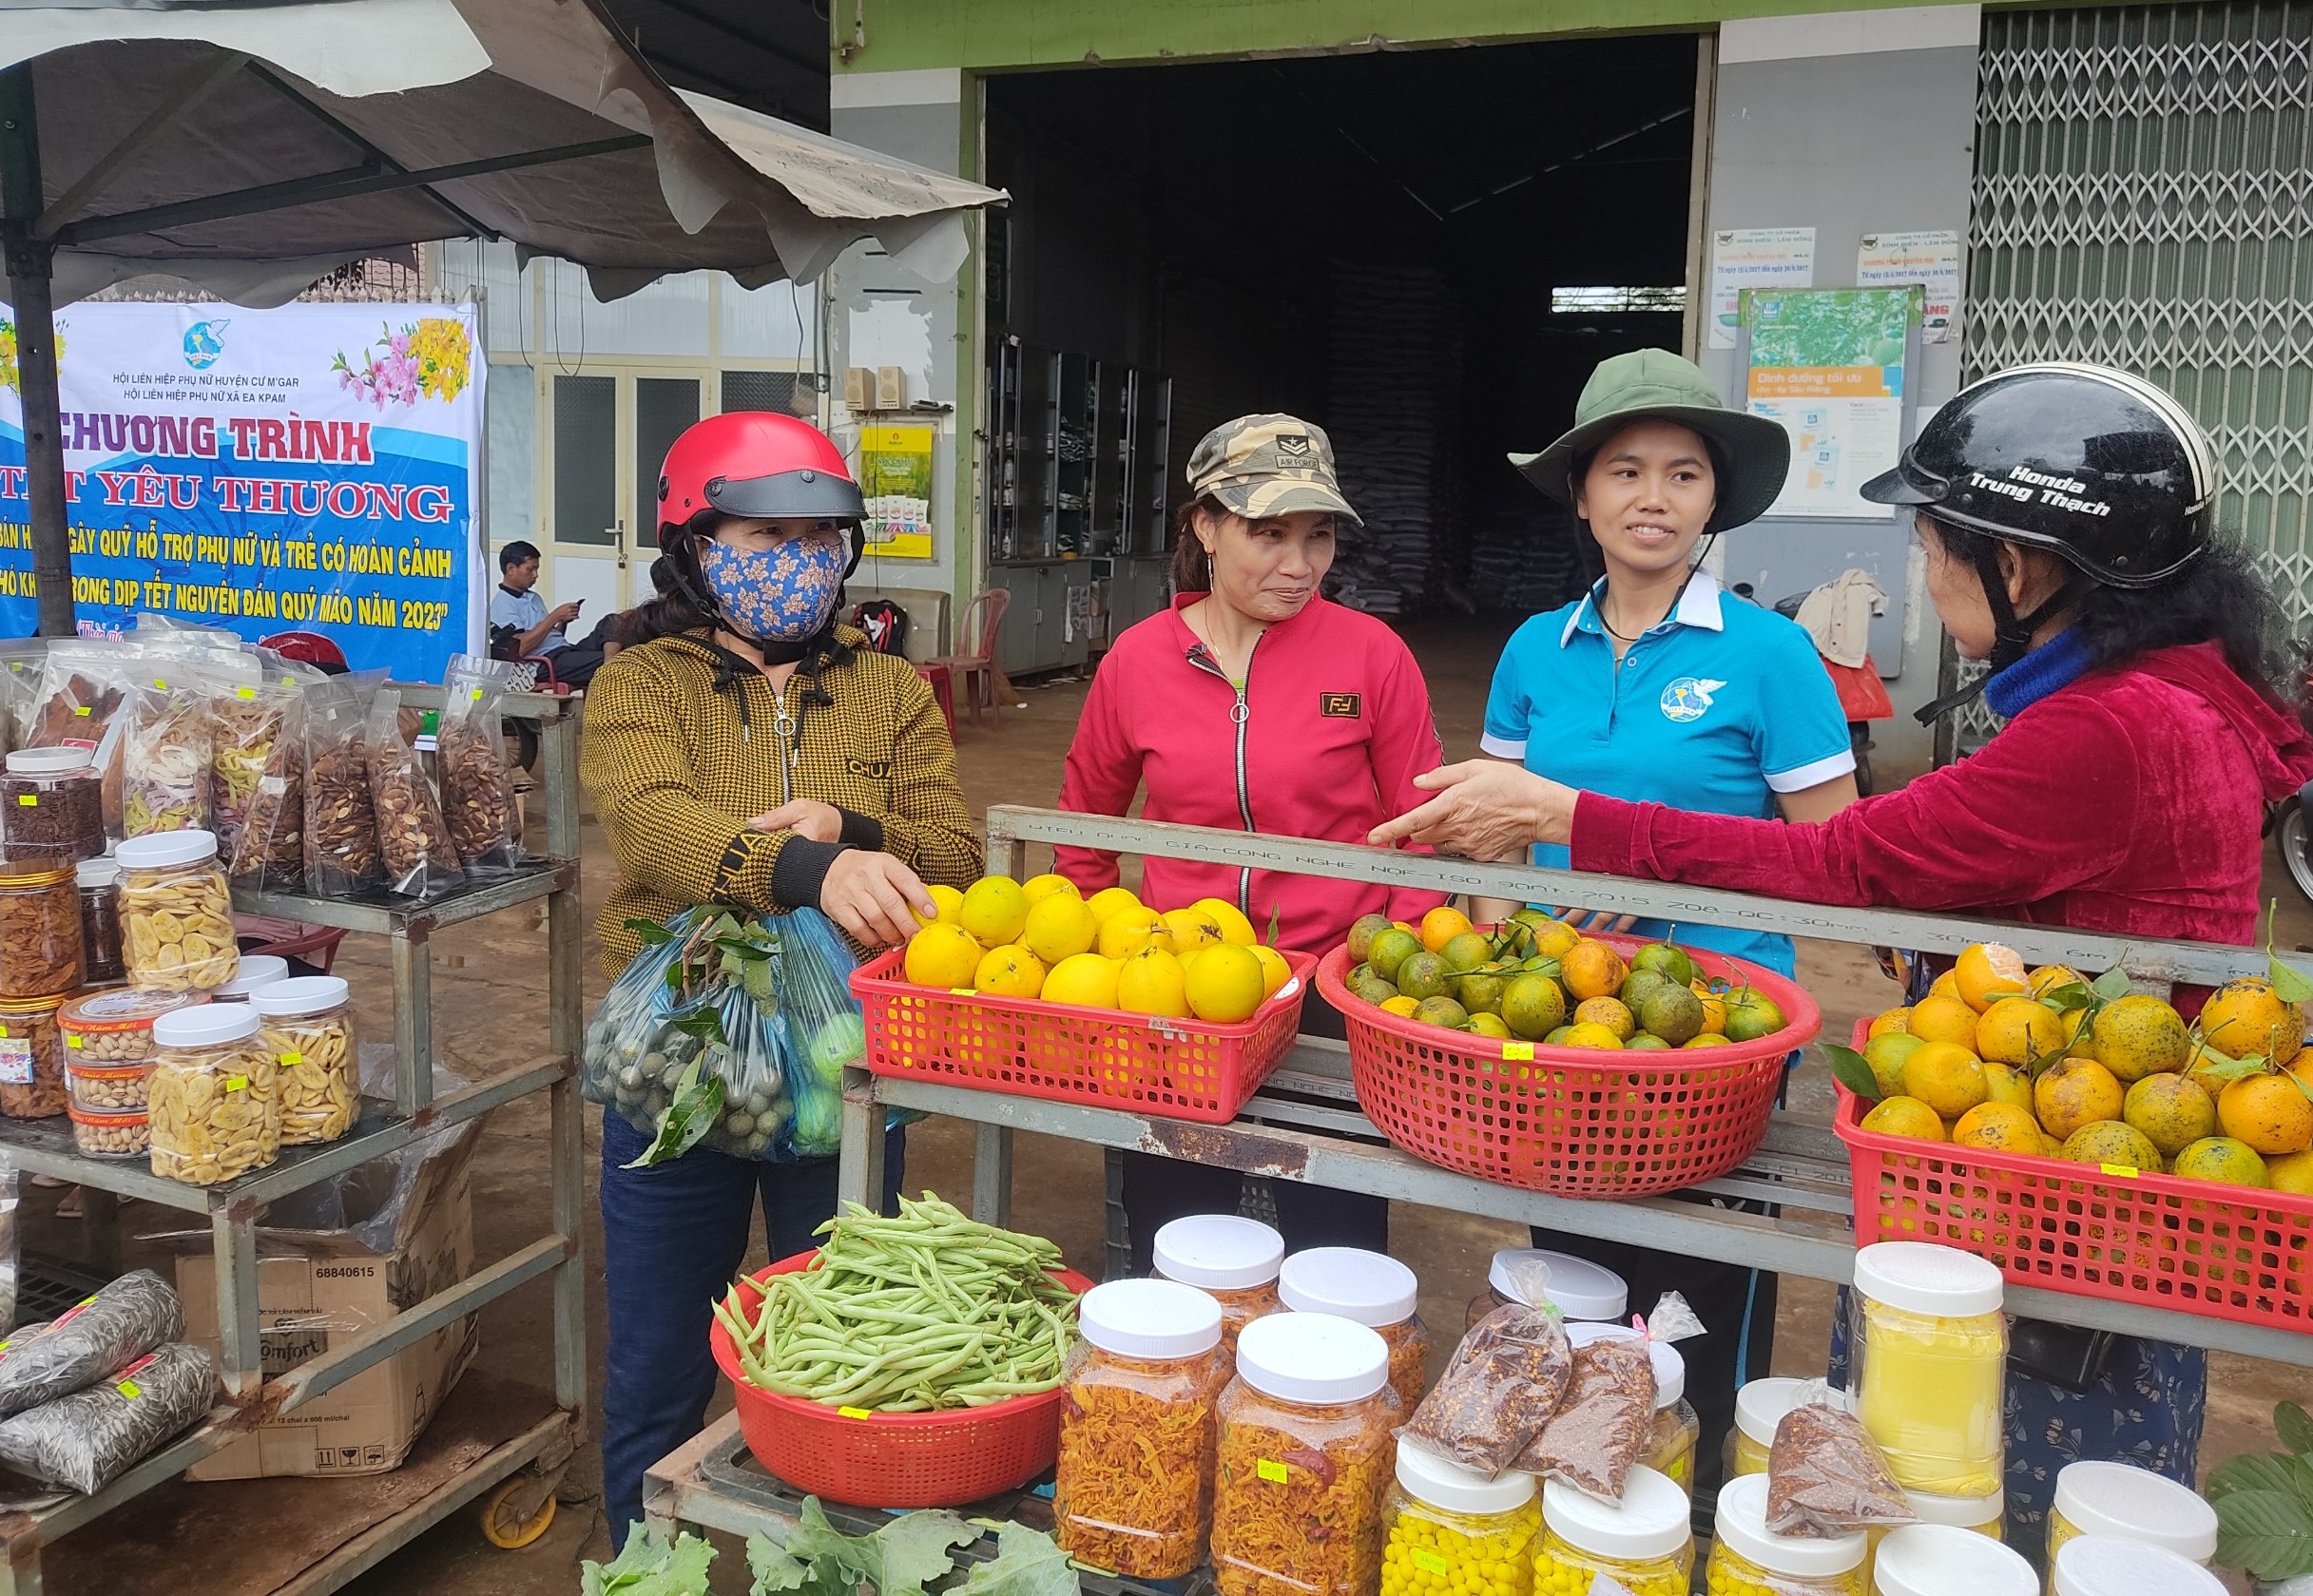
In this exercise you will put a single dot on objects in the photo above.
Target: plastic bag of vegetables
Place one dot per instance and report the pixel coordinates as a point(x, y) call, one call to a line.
point(811, 970)
point(688, 1047)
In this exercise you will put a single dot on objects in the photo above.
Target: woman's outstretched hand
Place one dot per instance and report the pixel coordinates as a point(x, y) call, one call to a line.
point(870, 895)
point(1485, 809)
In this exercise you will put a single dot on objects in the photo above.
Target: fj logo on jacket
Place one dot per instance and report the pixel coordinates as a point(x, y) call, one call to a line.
point(1339, 706)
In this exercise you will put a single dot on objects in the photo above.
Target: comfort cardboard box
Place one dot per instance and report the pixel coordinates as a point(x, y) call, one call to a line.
point(319, 1288)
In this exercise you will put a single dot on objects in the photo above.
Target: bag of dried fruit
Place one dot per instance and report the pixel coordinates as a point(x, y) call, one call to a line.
point(340, 840)
point(414, 845)
point(477, 779)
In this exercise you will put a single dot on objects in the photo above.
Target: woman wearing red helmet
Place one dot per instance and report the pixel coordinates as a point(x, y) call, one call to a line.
point(745, 749)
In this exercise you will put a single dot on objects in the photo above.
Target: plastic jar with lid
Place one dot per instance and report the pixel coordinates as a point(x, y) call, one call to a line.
point(2109, 1566)
point(1670, 1452)
point(111, 1135)
point(2131, 1504)
point(1643, 1544)
point(1367, 1288)
point(1944, 1560)
point(1580, 1290)
point(1233, 1260)
point(1305, 1460)
point(32, 1059)
point(51, 807)
point(176, 914)
point(1930, 1357)
point(258, 971)
point(1139, 1428)
point(109, 1029)
point(1455, 1532)
point(40, 939)
point(1748, 1560)
point(1759, 1407)
point(214, 1114)
point(308, 1031)
point(1984, 1515)
point(98, 882)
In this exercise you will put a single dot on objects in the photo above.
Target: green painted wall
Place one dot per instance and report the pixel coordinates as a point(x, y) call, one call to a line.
point(993, 35)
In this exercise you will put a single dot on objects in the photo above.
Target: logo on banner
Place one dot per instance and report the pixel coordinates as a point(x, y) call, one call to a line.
point(204, 343)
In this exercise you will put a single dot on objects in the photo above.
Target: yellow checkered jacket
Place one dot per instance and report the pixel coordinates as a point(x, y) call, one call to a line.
point(680, 750)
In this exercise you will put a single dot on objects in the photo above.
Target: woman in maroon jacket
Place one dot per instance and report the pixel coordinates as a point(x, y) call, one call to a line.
point(2065, 510)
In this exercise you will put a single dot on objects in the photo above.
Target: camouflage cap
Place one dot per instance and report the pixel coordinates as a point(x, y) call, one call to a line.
point(1268, 465)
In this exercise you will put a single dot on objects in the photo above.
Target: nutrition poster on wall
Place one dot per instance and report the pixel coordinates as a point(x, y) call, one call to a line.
point(311, 468)
point(1828, 363)
point(896, 478)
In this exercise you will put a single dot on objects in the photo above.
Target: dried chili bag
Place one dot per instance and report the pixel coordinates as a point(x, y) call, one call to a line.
point(1604, 1423)
point(1500, 1388)
point(1826, 1476)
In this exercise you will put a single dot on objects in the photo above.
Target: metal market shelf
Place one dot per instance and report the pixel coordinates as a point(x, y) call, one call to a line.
point(235, 1207)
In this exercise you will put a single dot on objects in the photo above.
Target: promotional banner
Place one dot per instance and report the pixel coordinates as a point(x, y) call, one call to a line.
point(1828, 364)
point(313, 467)
point(896, 479)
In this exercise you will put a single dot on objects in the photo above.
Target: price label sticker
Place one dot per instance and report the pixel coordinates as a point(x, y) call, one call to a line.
point(16, 1062)
point(236, 1082)
point(292, 1058)
point(72, 1040)
point(28, 801)
point(475, 697)
point(855, 1412)
point(1430, 1562)
point(1271, 1471)
point(81, 710)
point(2121, 1171)
point(1520, 1050)
point(962, 992)
point(129, 1388)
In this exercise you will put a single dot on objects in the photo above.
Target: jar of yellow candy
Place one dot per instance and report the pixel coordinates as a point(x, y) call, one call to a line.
point(1748, 1560)
point(1941, 1559)
point(1455, 1532)
point(1643, 1544)
point(1930, 1348)
point(1985, 1516)
point(2133, 1504)
point(1759, 1407)
point(2108, 1566)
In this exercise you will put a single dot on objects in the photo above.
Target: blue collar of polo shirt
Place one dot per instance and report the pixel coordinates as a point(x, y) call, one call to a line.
point(1698, 606)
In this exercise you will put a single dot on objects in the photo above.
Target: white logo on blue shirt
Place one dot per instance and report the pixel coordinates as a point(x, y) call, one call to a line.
point(1688, 696)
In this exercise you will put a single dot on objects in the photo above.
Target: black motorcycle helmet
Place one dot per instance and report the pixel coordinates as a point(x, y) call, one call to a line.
point(2090, 463)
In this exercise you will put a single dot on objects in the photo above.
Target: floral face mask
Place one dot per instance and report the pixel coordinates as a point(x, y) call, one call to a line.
point(781, 594)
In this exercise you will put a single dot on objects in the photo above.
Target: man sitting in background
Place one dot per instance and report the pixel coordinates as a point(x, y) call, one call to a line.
point(522, 627)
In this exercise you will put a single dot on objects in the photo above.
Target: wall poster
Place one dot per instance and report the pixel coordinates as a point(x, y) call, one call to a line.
point(1828, 363)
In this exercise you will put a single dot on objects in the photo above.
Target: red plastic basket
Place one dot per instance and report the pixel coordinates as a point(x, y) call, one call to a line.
point(893, 1460)
point(2229, 1252)
point(1184, 1070)
point(1577, 1122)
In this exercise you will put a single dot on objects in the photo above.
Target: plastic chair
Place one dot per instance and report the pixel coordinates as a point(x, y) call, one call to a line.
point(309, 648)
point(943, 692)
point(975, 658)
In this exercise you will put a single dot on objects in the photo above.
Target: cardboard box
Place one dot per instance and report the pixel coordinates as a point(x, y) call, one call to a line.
point(319, 1288)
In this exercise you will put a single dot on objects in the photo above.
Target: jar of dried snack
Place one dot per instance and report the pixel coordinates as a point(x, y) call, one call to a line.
point(258, 970)
point(1304, 1461)
point(1934, 1559)
point(215, 1112)
point(1747, 1559)
point(107, 1029)
point(1931, 1352)
point(1235, 1260)
point(111, 1135)
point(32, 1059)
point(51, 807)
point(308, 1031)
point(1670, 1448)
point(1582, 1291)
point(119, 1088)
point(1643, 1545)
point(1759, 1407)
point(1138, 1428)
point(1366, 1288)
point(1452, 1532)
point(176, 913)
point(40, 949)
point(99, 885)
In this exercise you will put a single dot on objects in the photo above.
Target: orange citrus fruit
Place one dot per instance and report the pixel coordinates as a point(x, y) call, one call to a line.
point(1037, 888)
point(2075, 1092)
point(1714, 1010)
point(1010, 972)
point(1946, 1077)
point(1987, 971)
point(1110, 902)
point(2247, 1016)
point(1588, 1033)
point(2269, 1112)
point(1234, 926)
point(1946, 985)
point(2048, 977)
point(996, 911)
point(1593, 970)
point(1944, 1019)
point(2112, 1141)
point(2221, 1157)
point(1442, 925)
point(1998, 1127)
point(2017, 1030)
point(941, 955)
point(1905, 1116)
point(2137, 1036)
point(2007, 1085)
point(2171, 1111)
point(1897, 1021)
point(1610, 1012)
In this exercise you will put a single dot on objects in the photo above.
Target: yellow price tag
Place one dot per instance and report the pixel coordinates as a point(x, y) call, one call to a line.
point(81, 710)
point(475, 697)
point(1524, 1051)
point(855, 1412)
point(1272, 1472)
point(962, 992)
point(28, 801)
point(2121, 1171)
point(246, 693)
point(129, 1388)
point(235, 1083)
point(1430, 1562)
point(73, 1040)
point(292, 1058)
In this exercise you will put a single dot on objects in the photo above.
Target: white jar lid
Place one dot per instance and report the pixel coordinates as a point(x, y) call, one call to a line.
point(299, 994)
point(96, 872)
point(2136, 1504)
point(209, 1024)
point(1427, 1478)
point(1669, 1364)
point(1365, 1288)
point(1921, 1277)
point(1761, 1404)
point(1219, 1252)
point(256, 969)
point(2108, 1566)
point(49, 762)
point(1578, 1288)
point(1938, 1559)
point(1654, 1519)
point(162, 848)
point(1140, 1319)
point(1961, 1513)
point(1311, 1357)
point(1741, 1527)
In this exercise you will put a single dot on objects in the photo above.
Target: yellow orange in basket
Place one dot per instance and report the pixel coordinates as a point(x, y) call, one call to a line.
point(1131, 931)
point(1152, 982)
point(1948, 1079)
point(995, 911)
point(949, 903)
point(2269, 1112)
point(1998, 1127)
point(1234, 926)
point(1037, 888)
point(941, 955)
point(1275, 971)
point(2017, 1030)
point(1060, 927)
point(1442, 925)
point(2137, 1036)
point(1590, 969)
point(1904, 1116)
point(2073, 1092)
point(1010, 972)
point(1987, 971)
point(1944, 1019)
point(1110, 902)
point(1086, 979)
point(1192, 928)
point(1894, 1022)
point(2249, 1016)
point(1223, 985)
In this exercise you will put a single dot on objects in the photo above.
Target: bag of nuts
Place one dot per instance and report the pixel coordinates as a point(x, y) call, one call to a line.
point(340, 840)
point(477, 779)
point(412, 839)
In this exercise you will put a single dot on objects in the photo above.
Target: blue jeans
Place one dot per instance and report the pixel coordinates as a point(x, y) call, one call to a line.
point(674, 1236)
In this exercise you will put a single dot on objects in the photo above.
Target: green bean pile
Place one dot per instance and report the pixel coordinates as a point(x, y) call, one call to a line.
point(927, 1311)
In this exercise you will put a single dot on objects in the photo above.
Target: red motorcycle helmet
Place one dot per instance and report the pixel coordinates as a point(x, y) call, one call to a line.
point(757, 465)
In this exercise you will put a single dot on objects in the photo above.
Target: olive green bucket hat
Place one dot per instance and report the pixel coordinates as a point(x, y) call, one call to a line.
point(1754, 452)
point(1260, 466)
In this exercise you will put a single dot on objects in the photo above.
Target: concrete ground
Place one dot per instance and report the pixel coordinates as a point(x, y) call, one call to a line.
point(490, 1011)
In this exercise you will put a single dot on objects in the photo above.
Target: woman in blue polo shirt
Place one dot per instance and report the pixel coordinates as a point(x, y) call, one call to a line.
point(1656, 686)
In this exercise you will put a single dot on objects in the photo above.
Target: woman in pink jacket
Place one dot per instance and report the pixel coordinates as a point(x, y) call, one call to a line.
point(1253, 703)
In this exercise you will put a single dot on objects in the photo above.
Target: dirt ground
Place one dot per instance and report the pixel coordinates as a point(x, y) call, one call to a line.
point(489, 1011)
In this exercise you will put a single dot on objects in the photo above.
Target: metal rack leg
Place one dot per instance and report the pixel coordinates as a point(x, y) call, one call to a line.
point(991, 1176)
point(413, 1022)
point(860, 1165)
point(21, 1578)
point(237, 1316)
point(569, 1152)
